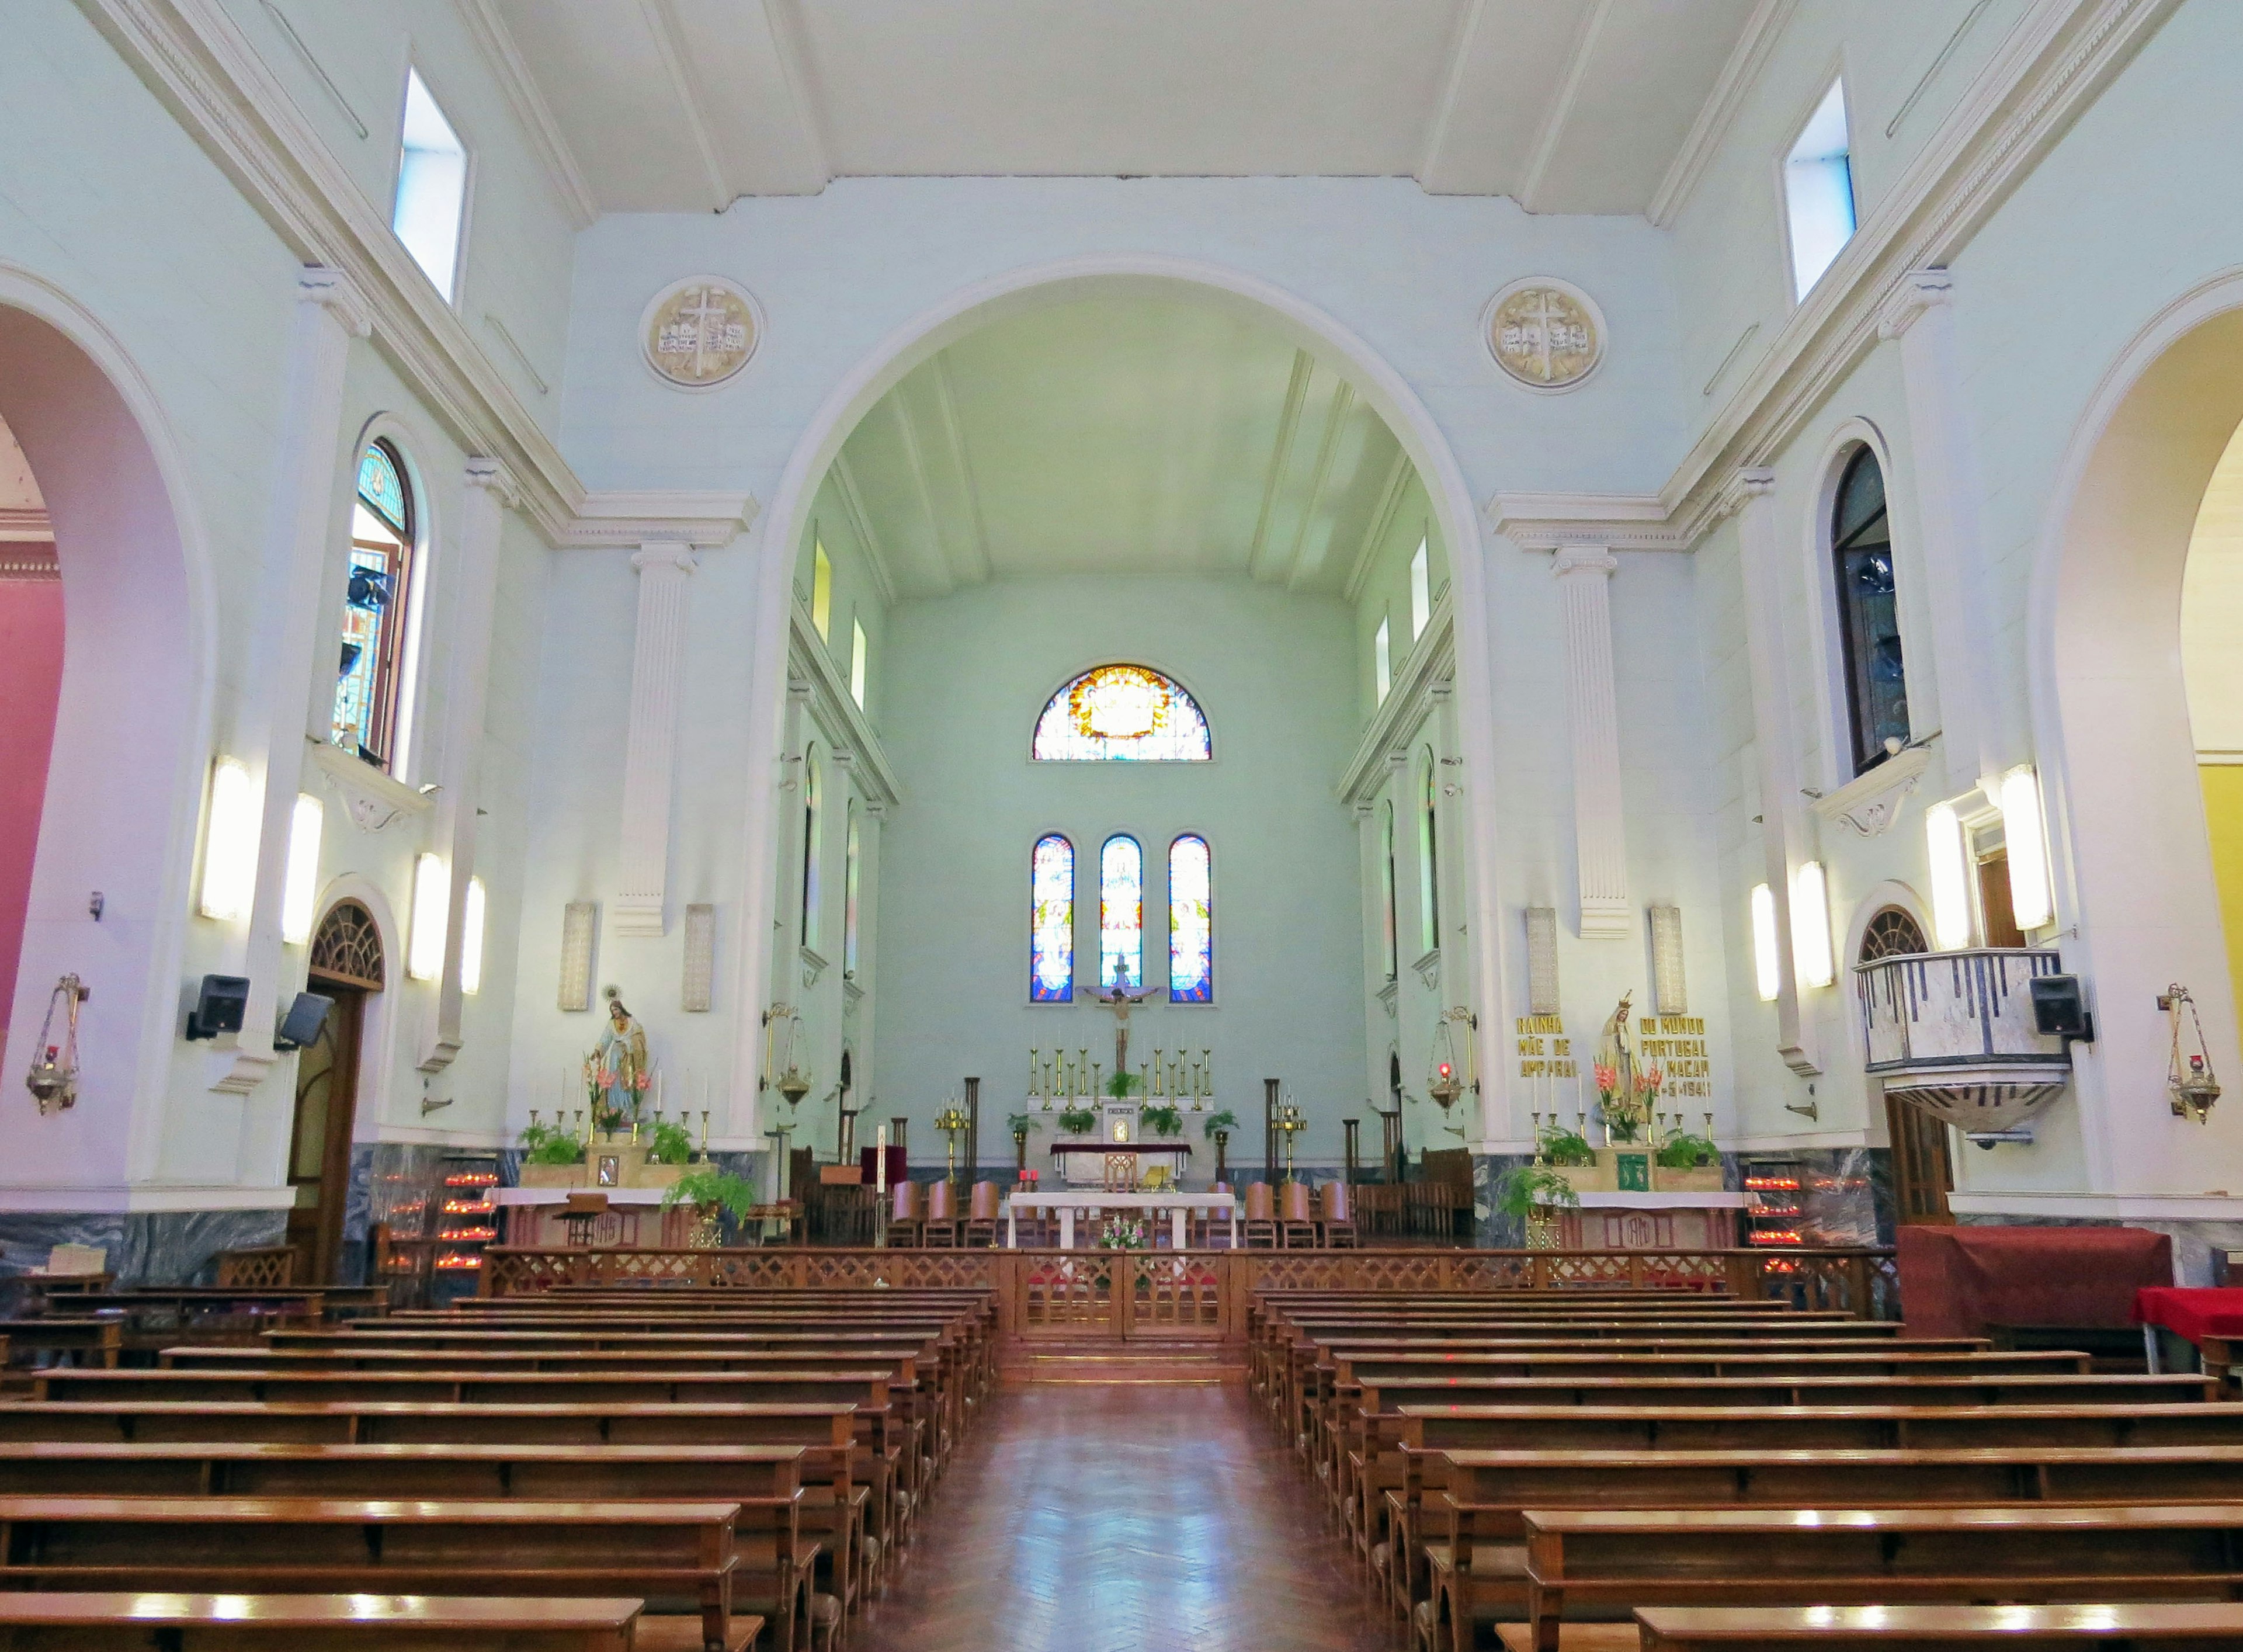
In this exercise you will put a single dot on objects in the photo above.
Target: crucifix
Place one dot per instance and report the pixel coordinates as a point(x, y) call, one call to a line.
point(1122, 998)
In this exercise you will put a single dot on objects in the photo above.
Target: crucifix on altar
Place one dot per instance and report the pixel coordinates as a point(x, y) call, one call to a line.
point(1122, 998)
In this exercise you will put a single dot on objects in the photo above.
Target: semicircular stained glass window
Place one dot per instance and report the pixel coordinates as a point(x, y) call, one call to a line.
point(1126, 712)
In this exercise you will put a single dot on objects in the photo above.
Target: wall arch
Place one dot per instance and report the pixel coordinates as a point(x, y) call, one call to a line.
point(1835, 734)
point(413, 445)
point(2130, 854)
point(1012, 292)
point(131, 742)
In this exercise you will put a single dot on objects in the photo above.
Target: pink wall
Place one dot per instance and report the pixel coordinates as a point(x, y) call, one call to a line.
point(30, 680)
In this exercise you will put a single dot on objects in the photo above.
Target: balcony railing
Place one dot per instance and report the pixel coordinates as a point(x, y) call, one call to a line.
point(1953, 1032)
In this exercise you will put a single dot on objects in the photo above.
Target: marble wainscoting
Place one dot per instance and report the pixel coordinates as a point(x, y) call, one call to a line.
point(151, 1247)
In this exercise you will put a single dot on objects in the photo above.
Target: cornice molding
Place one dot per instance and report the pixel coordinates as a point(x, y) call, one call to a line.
point(27, 523)
point(503, 59)
point(1421, 680)
point(860, 523)
point(627, 518)
point(1915, 292)
point(1719, 111)
point(815, 681)
point(1382, 521)
point(197, 61)
point(1614, 521)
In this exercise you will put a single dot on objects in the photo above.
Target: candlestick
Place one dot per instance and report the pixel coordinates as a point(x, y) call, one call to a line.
point(704, 1133)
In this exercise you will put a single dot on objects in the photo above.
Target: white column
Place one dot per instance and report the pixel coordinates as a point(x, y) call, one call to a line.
point(490, 494)
point(657, 670)
point(1584, 575)
point(1784, 833)
point(1921, 314)
point(275, 710)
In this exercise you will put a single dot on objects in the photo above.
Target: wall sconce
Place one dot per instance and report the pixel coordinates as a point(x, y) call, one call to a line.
point(300, 889)
point(1767, 966)
point(1452, 1074)
point(471, 940)
point(230, 849)
point(2022, 836)
point(1810, 927)
point(1950, 877)
point(782, 1064)
point(432, 894)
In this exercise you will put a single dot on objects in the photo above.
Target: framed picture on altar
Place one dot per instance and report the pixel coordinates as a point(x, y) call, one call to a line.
point(609, 1170)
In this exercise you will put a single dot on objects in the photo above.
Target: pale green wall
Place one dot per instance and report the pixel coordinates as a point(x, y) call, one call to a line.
point(1385, 592)
point(969, 674)
point(855, 595)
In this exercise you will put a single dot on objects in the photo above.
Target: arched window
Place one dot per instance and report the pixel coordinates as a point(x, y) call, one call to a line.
point(1121, 913)
point(1121, 712)
point(1191, 921)
point(812, 784)
point(1429, 857)
point(370, 670)
point(1892, 932)
point(1051, 921)
point(849, 883)
point(1387, 891)
point(1868, 620)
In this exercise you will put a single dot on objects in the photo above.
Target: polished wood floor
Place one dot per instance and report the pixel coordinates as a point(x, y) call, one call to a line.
point(1125, 1518)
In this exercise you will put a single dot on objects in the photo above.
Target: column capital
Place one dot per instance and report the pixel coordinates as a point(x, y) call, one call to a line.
point(337, 294)
point(490, 474)
point(1915, 292)
point(1583, 559)
point(680, 557)
point(1745, 485)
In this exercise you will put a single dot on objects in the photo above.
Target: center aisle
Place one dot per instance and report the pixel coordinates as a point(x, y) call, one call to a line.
point(1138, 1518)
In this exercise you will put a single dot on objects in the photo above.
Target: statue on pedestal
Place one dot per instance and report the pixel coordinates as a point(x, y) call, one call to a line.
point(620, 1072)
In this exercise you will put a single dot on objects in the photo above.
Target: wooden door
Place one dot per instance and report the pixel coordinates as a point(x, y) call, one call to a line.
point(1922, 1170)
point(320, 1146)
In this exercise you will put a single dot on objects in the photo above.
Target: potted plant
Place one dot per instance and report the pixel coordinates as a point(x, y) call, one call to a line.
point(713, 1193)
point(1078, 1120)
point(1534, 1194)
point(550, 1157)
point(1219, 1127)
point(668, 1149)
point(1167, 1120)
point(1689, 1163)
point(1020, 1124)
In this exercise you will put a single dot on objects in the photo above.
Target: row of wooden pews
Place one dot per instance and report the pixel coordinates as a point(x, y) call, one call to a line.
point(1590, 1472)
point(658, 1468)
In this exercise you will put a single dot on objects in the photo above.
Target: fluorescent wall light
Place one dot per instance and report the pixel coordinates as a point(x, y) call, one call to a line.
point(1950, 877)
point(2029, 903)
point(229, 851)
point(471, 939)
point(1810, 927)
point(1767, 966)
point(432, 894)
point(300, 893)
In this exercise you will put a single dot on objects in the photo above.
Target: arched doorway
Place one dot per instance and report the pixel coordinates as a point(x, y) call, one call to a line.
point(1923, 1165)
point(347, 966)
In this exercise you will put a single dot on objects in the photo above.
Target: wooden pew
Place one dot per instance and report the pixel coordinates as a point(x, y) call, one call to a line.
point(312, 1623)
point(1594, 1564)
point(87, 1341)
point(681, 1556)
point(2170, 1627)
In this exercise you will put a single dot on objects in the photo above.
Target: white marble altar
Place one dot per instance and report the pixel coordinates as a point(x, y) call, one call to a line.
point(1178, 1205)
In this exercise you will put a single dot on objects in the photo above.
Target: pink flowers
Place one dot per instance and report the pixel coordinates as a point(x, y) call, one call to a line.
point(1608, 1079)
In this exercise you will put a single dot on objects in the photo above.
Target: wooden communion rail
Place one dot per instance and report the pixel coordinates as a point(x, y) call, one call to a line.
point(1206, 1293)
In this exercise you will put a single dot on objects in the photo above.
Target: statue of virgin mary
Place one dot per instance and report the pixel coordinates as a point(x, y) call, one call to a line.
point(619, 1063)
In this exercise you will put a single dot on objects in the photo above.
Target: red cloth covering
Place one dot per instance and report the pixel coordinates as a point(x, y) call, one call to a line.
point(1955, 1282)
point(2194, 1314)
point(899, 1171)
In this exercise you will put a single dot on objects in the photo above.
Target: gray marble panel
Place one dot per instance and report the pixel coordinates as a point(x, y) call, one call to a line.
point(180, 1247)
point(27, 1236)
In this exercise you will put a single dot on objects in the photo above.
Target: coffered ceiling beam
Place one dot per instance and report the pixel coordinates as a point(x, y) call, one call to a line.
point(661, 25)
point(1343, 402)
point(502, 58)
point(801, 83)
point(1452, 82)
point(1281, 458)
point(1562, 98)
point(860, 522)
point(953, 433)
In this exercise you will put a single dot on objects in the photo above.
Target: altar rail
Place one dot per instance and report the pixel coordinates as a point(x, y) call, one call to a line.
point(1204, 1293)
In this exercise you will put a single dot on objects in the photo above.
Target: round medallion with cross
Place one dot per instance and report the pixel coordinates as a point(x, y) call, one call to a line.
point(1544, 333)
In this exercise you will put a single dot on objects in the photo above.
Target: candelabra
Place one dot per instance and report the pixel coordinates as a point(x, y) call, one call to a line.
point(952, 1122)
point(1290, 1120)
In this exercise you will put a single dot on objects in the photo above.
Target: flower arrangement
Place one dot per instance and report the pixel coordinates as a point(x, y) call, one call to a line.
point(1122, 1235)
point(1623, 1111)
point(1163, 1121)
point(551, 1144)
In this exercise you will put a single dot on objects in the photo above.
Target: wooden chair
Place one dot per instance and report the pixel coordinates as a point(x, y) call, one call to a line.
point(581, 1215)
point(982, 1216)
point(1335, 1223)
point(1206, 1224)
point(1260, 1225)
point(906, 1212)
point(1296, 1224)
point(941, 1225)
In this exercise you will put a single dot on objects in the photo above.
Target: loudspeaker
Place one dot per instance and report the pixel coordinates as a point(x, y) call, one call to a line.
point(302, 1022)
point(219, 1007)
point(2060, 1008)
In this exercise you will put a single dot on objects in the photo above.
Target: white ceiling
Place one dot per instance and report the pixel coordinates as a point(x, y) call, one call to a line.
point(1569, 105)
point(1135, 437)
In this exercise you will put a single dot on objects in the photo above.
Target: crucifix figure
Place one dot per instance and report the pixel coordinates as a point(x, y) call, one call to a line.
point(1122, 998)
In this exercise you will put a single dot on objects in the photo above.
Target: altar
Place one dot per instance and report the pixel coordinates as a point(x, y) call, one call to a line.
point(1084, 1163)
point(1695, 1220)
point(1178, 1205)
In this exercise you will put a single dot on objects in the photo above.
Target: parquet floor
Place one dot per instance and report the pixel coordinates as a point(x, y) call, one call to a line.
point(1144, 1518)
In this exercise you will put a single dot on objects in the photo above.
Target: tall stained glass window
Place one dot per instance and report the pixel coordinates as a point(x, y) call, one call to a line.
point(1869, 617)
point(369, 664)
point(1191, 922)
point(1121, 712)
point(1121, 913)
point(1051, 921)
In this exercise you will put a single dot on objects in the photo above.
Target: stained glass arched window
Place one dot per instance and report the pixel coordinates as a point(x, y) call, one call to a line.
point(1869, 617)
point(1051, 921)
point(1129, 712)
point(369, 666)
point(1191, 922)
point(1121, 913)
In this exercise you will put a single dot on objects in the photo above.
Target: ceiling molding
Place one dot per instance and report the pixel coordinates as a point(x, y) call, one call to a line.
point(1453, 83)
point(953, 432)
point(1562, 100)
point(1554, 521)
point(1715, 116)
point(860, 523)
point(1382, 521)
point(197, 61)
point(1343, 404)
point(26, 524)
point(662, 24)
point(915, 461)
point(503, 60)
point(1281, 457)
point(628, 518)
point(794, 67)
